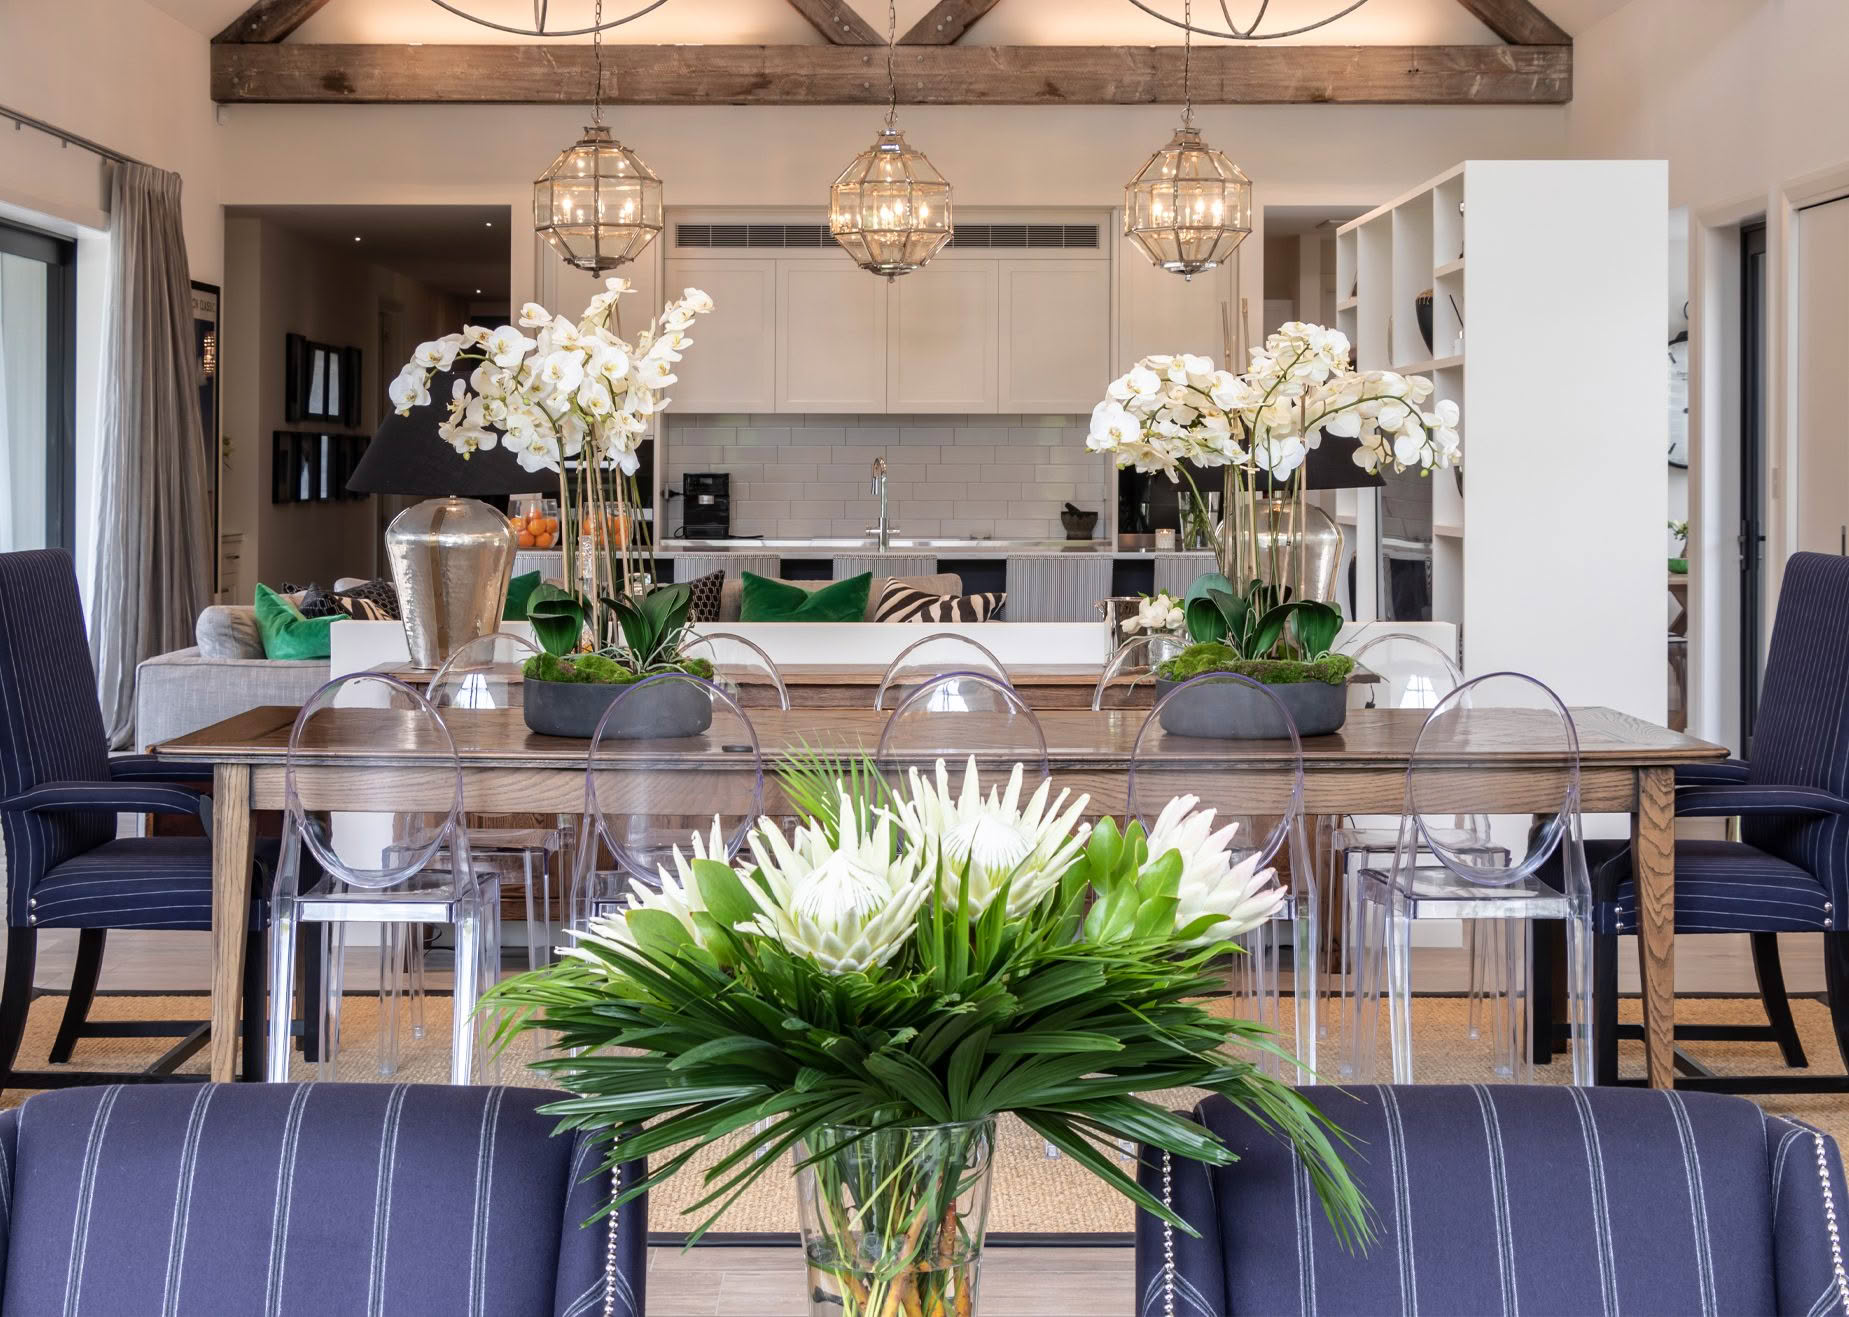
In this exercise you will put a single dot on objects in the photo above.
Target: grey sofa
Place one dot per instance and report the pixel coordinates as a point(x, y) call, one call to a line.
point(223, 674)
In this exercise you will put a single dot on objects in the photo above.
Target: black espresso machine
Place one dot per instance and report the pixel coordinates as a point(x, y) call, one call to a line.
point(706, 507)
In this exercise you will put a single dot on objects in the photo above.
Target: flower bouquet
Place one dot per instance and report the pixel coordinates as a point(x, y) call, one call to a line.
point(869, 990)
point(576, 398)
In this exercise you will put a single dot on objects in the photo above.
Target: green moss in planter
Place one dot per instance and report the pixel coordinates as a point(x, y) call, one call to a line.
point(1211, 656)
point(601, 669)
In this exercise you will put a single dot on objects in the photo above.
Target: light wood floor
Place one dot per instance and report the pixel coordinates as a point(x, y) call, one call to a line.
point(1016, 1282)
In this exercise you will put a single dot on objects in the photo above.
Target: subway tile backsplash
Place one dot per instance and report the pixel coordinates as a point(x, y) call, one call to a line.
point(1005, 476)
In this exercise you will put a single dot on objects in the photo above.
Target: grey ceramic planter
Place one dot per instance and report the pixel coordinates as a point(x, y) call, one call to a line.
point(664, 711)
point(1233, 711)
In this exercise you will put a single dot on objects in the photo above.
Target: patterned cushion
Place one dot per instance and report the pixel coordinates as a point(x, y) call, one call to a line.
point(1506, 1199)
point(1721, 887)
point(135, 882)
point(374, 601)
point(306, 1199)
point(706, 591)
point(900, 602)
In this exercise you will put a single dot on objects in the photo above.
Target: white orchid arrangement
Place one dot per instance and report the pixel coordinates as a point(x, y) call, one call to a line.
point(572, 397)
point(925, 954)
point(1156, 614)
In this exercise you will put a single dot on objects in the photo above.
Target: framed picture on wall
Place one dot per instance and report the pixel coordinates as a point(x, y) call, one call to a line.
point(205, 300)
point(282, 467)
point(320, 382)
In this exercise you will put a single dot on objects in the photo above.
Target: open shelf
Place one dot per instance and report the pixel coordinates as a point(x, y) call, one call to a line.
point(1449, 267)
point(1428, 366)
point(1348, 304)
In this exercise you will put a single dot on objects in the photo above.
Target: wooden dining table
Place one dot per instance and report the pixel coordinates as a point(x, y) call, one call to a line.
point(1512, 763)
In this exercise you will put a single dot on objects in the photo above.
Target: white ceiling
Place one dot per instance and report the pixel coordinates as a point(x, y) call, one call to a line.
point(462, 250)
point(775, 22)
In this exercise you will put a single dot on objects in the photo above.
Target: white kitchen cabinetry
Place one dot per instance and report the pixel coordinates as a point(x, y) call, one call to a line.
point(1159, 312)
point(1055, 335)
point(941, 338)
point(831, 337)
point(733, 366)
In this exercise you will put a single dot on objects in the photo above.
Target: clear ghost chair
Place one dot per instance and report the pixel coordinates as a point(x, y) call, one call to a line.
point(1257, 784)
point(395, 869)
point(959, 715)
point(1499, 887)
point(1411, 673)
point(1134, 662)
point(646, 796)
point(932, 656)
point(741, 669)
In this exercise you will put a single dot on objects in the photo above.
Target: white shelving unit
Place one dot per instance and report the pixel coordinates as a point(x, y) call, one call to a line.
point(1549, 557)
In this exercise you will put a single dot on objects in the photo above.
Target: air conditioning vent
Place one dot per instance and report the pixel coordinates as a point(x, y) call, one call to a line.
point(738, 237)
point(1024, 237)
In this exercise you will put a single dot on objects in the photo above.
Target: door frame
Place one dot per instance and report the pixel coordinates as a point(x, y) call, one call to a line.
point(59, 255)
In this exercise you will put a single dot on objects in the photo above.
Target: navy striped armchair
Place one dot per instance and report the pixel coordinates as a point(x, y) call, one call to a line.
point(311, 1200)
point(1508, 1199)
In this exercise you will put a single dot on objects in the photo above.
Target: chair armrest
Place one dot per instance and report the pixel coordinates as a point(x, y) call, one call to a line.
point(114, 798)
point(1807, 1183)
point(152, 768)
point(1199, 1276)
point(1718, 773)
point(1756, 800)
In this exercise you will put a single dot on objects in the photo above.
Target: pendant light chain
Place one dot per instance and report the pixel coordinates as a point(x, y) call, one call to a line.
point(1187, 63)
point(892, 81)
point(597, 63)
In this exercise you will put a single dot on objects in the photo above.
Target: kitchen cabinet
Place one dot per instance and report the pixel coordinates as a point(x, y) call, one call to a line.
point(1064, 589)
point(831, 337)
point(941, 338)
point(1055, 332)
point(1161, 312)
point(572, 290)
point(733, 365)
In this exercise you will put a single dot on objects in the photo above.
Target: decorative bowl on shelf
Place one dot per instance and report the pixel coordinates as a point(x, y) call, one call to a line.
point(1079, 525)
point(1422, 306)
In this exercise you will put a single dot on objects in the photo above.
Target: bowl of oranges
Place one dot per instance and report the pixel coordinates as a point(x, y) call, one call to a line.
point(535, 525)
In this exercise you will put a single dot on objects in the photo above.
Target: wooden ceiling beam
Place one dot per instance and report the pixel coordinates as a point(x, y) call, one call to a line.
point(946, 22)
point(836, 20)
point(269, 20)
point(301, 73)
point(1518, 22)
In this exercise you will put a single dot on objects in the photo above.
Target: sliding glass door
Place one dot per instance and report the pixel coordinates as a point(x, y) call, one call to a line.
point(38, 285)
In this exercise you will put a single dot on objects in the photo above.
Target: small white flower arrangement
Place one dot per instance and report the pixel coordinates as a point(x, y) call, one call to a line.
point(1157, 614)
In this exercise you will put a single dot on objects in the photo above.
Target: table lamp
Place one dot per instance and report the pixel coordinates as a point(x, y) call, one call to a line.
point(451, 555)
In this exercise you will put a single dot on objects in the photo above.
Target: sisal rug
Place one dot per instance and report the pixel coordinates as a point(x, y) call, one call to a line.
point(1032, 1193)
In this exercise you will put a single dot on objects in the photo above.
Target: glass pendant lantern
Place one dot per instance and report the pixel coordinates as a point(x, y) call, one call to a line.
point(890, 209)
point(597, 205)
point(1189, 207)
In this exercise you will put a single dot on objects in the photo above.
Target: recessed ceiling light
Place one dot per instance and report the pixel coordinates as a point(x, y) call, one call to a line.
point(478, 292)
point(487, 224)
point(356, 237)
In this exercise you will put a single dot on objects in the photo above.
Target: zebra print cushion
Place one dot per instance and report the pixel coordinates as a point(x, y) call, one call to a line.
point(903, 603)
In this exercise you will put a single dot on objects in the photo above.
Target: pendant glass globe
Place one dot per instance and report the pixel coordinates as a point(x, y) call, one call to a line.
point(1189, 207)
point(890, 209)
point(597, 204)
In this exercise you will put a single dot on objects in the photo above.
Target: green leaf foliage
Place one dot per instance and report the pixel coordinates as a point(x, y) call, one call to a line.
point(557, 617)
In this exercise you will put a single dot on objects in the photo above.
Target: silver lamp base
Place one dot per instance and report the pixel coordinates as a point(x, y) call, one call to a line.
point(451, 560)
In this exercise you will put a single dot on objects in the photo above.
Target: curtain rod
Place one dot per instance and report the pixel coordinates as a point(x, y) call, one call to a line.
point(69, 139)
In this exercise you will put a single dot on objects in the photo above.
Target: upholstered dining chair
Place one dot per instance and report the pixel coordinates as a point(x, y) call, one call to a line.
point(1789, 870)
point(60, 793)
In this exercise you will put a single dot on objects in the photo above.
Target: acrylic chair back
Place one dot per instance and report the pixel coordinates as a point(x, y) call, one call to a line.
point(1133, 664)
point(673, 757)
point(1257, 787)
point(486, 673)
point(958, 716)
point(375, 849)
point(933, 656)
point(741, 669)
point(1413, 672)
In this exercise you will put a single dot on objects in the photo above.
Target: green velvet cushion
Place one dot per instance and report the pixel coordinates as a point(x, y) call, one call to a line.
point(286, 633)
point(765, 600)
point(519, 594)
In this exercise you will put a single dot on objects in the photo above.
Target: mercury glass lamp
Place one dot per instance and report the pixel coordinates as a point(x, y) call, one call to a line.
point(890, 209)
point(1189, 207)
point(598, 204)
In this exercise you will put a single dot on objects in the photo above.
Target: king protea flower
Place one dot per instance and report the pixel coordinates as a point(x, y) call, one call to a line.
point(678, 894)
point(999, 842)
point(1212, 882)
point(848, 905)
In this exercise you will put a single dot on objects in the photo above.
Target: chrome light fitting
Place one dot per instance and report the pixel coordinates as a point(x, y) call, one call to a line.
point(598, 205)
point(1189, 207)
point(890, 209)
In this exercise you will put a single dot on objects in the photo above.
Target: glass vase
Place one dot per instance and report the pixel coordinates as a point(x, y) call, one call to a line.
point(892, 1220)
point(1282, 540)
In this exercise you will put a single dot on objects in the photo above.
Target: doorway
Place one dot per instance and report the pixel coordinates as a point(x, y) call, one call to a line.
point(1752, 535)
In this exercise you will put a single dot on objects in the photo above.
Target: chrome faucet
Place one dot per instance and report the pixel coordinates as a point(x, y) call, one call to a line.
point(882, 533)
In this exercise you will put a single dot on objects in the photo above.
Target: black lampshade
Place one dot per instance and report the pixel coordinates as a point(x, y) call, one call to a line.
point(407, 456)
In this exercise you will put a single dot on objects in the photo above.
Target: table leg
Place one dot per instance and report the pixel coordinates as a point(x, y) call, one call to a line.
point(232, 849)
point(1653, 856)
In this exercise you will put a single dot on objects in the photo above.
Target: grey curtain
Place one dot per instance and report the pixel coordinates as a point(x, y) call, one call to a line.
point(153, 561)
